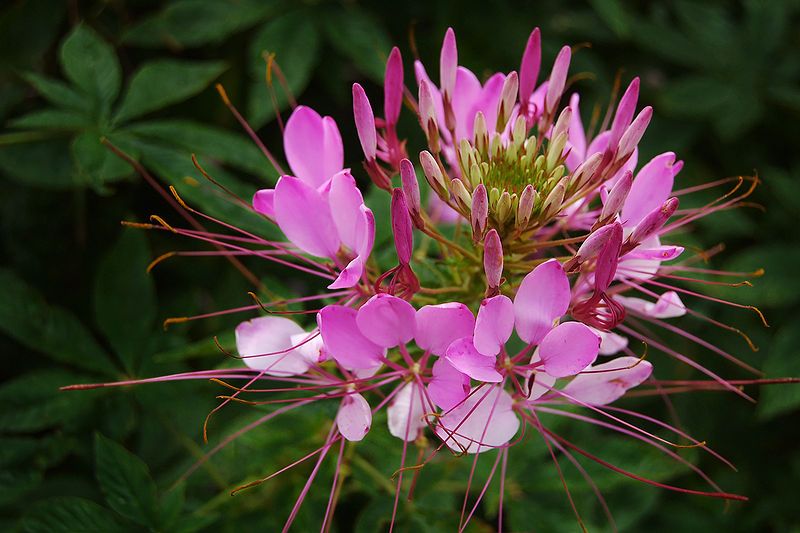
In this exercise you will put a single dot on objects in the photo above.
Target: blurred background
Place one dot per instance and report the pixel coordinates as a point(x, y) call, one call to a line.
point(77, 305)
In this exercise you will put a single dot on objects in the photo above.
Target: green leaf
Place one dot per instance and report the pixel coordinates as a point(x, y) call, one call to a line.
point(95, 164)
point(614, 14)
point(203, 140)
point(124, 298)
point(779, 286)
point(125, 481)
point(164, 82)
point(294, 40)
point(361, 38)
point(68, 515)
point(51, 119)
point(691, 96)
point(55, 332)
point(189, 23)
point(43, 164)
point(33, 402)
point(57, 92)
point(783, 361)
point(16, 483)
point(91, 64)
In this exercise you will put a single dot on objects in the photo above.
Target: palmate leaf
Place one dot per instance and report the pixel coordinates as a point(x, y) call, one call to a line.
point(55, 332)
point(57, 92)
point(124, 298)
point(91, 64)
point(126, 483)
point(164, 82)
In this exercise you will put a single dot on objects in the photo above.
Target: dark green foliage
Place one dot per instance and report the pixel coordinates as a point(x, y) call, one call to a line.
point(77, 305)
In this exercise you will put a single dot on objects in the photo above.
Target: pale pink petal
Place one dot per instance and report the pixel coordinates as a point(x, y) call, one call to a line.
point(568, 348)
point(387, 320)
point(448, 387)
point(465, 358)
point(305, 218)
point(542, 384)
point(405, 415)
point(313, 146)
point(310, 346)
point(345, 202)
point(264, 202)
point(439, 325)
point(494, 324)
point(668, 305)
point(354, 417)
point(484, 421)
point(543, 297)
point(558, 78)
point(467, 93)
point(610, 342)
point(650, 189)
point(609, 381)
point(488, 100)
point(350, 275)
point(625, 111)
point(366, 233)
point(270, 335)
point(576, 141)
point(344, 340)
point(421, 75)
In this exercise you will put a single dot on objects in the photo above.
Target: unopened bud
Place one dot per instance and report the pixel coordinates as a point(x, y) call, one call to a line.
point(508, 96)
point(562, 124)
point(525, 207)
point(625, 111)
point(427, 115)
point(555, 151)
point(558, 79)
point(590, 247)
point(493, 259)
point(529, 67)
point(448, 64)
point(616, 197)
point(401, 227)
point(585, 171)
point(633, 134)
point(365, 122)
point(480, 212)
point(481, 141)
point(652, 222)
point(461, 195)
point(552, 204)
point(393, 87)
point(504, 208)
point(408, 179)
point(608, 258)
point(433, 173)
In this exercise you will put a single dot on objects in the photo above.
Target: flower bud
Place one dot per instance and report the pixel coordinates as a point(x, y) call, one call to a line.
point(529, 67)
point(555, 151)
point(625, 111)
point(504, 208)
point(393, 87)
point(408, 179)
point(608, 258)
point(525, 207)
point(448, 64)
point(562, 124)
point(401, 227)
point(651, 223)
point(616, 197)
point(493, 259)
point(585, 171)
point(552, 204)
point(558, 79)
point(633, 134)
point(433, 174)
point(461, 195)
point(427, 115)
point(481, 141)
point(365, 122)
point(480, 212)
point(507, 98)
point(590, 247)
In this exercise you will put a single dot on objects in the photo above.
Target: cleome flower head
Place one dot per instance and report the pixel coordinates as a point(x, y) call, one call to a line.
point(542, 257)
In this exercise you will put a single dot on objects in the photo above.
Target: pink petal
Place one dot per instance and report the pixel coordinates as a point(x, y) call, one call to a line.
point(264, 202)
point(542, 298)
point(494, 324)
point(465, 358)
point(668, 305)
point(488, 100)
point(350, 275)
point(402, 229)
point(609, 381)
point(634, 133)
point(393, 87)
point(653, 221)
point(310, 346)
point(577, 136)
point(421, 75)
point(437, 326)
point(365, 122)
point(448, 63)
point(610, 342)
point(387, 320)
point(484, 421)
point(467, 94)
point(354, 417)
point(448, 387)
point(405, 415)
point(268, 335)
point(542, 384)
point(345, 201)
point(410, 185)
point(650, 189)
point(529, 67)
point(568, 348)
point(625, 111)
point(343, 338)
point(558, 78)
point(305, 218)
point(313, 146)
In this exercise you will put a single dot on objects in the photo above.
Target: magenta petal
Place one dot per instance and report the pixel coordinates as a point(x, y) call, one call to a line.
point(467, 93)
point(439, 325)
point(529, 67)
point(264, 202)
point(354, 417)
point(448, 387)
point(494, 324)
point(484, 421)
point(650, 189)
point(568, 348)
point(295, 202)
point(405, 416)
point(542, 297)
point(465, 358)
point(393, 87)
point(345, 201)
point(625, 111)
point(343, 338)
point(387, 320)
point(609, 381)
point(313, 146)
point(274, 336)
